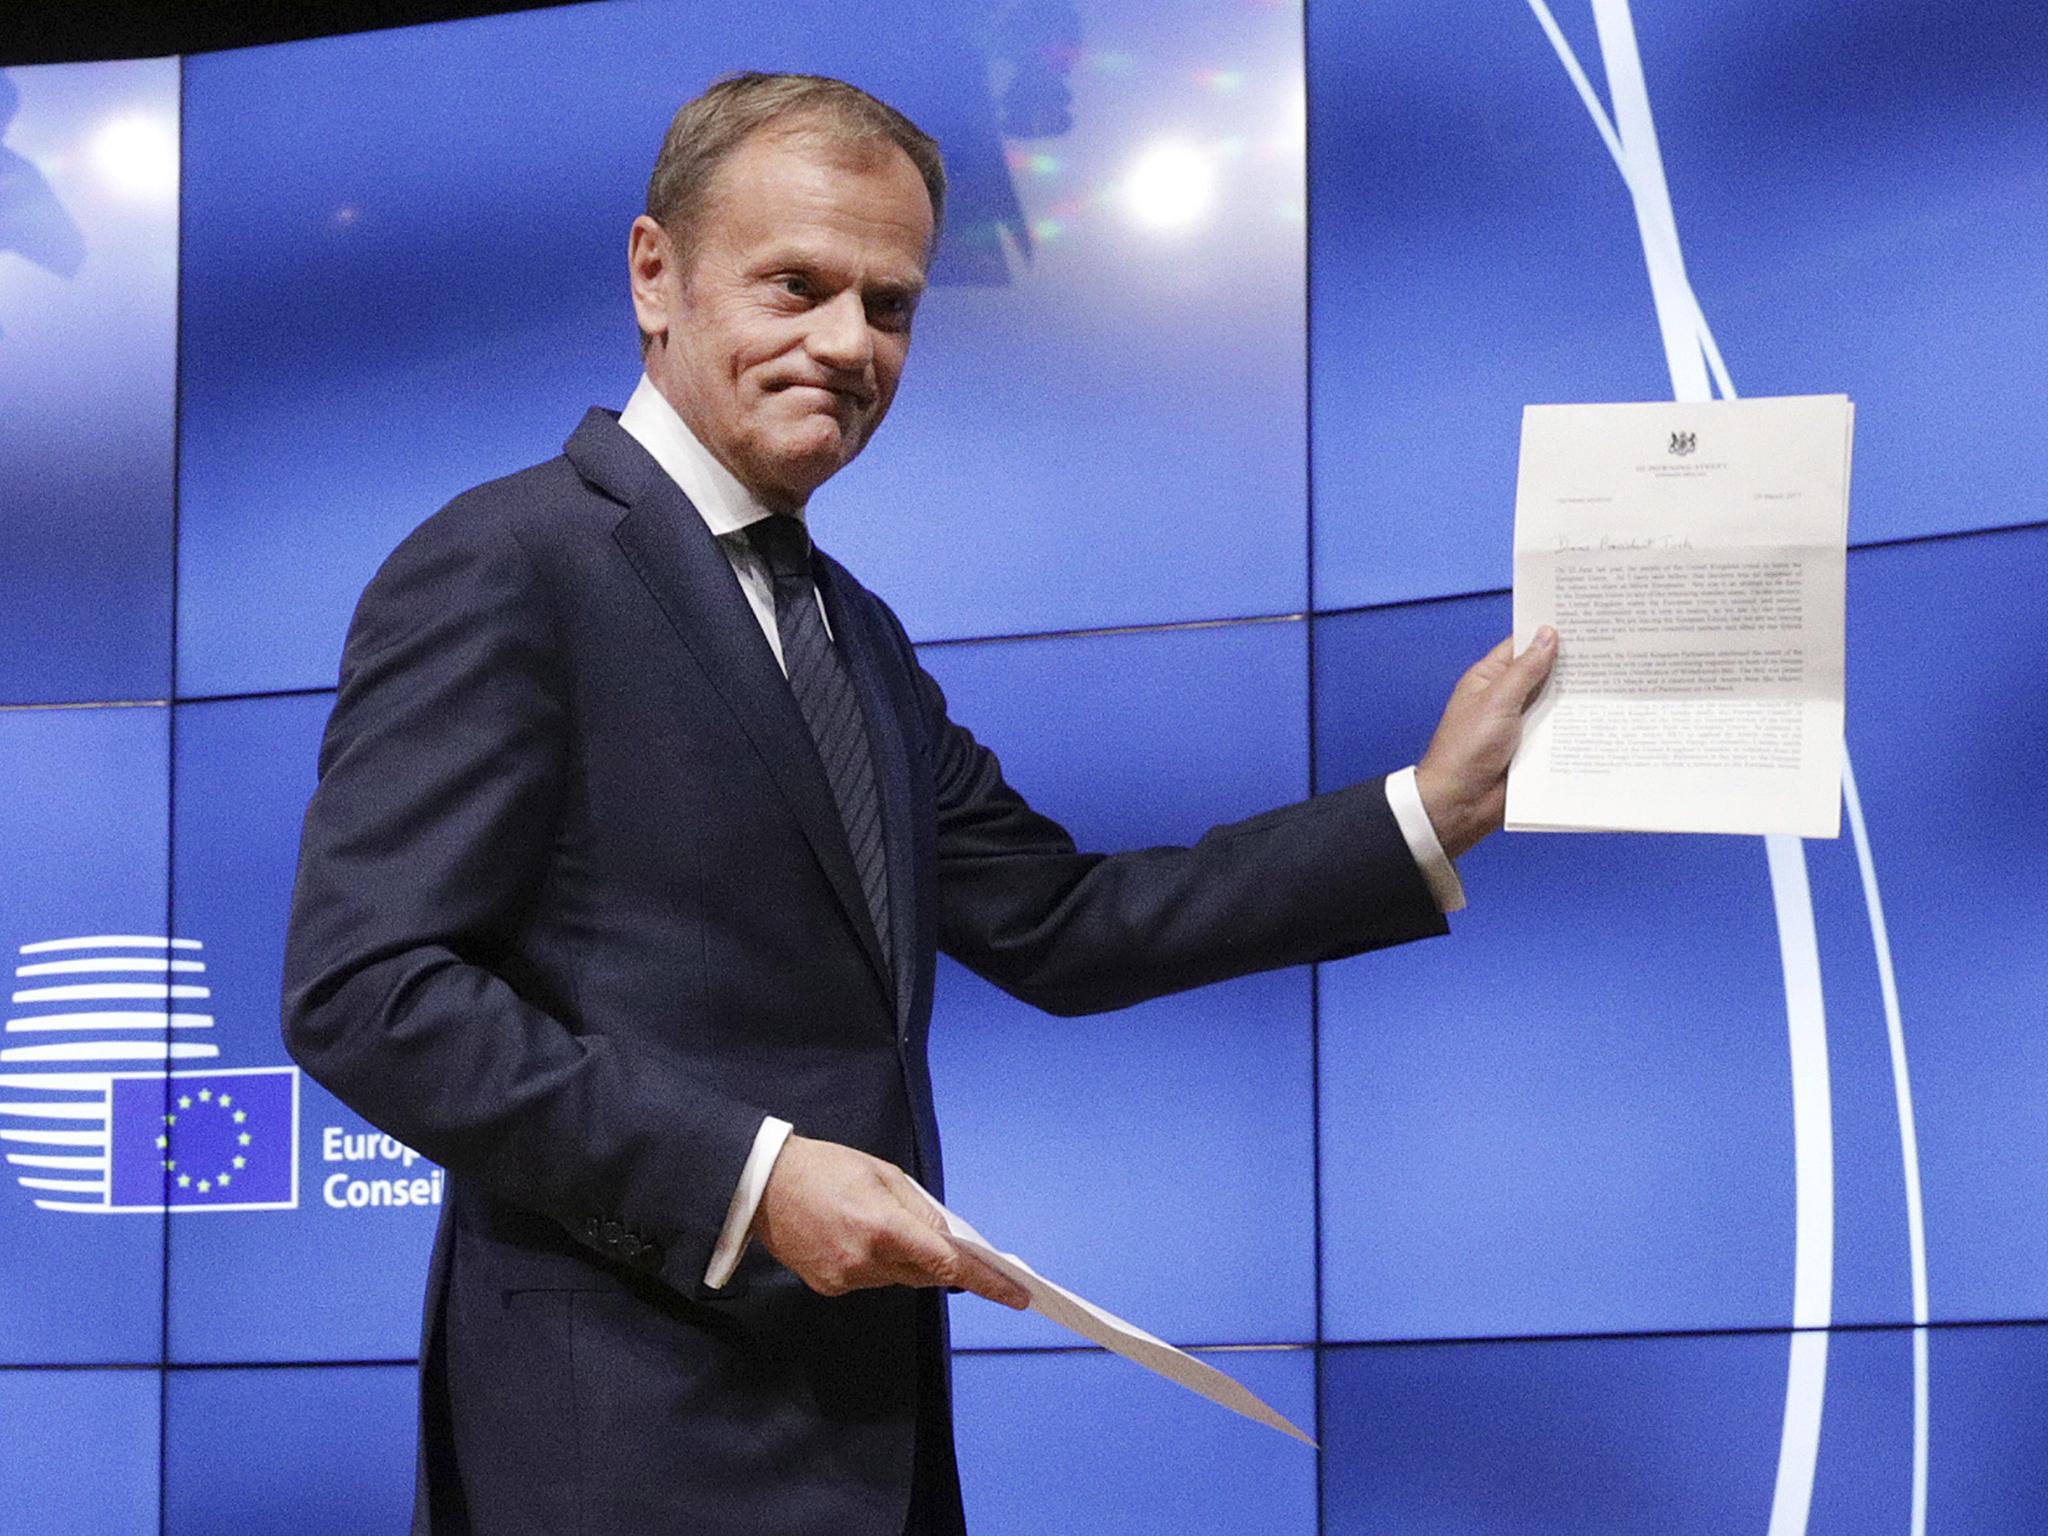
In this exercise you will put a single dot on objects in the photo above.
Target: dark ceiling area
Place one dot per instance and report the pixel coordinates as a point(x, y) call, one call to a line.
point(58, 31)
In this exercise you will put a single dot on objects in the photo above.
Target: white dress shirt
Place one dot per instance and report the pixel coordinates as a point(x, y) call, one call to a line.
point(727, 508)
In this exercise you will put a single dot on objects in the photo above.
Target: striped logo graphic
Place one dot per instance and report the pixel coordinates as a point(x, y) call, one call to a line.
point(98, 1112)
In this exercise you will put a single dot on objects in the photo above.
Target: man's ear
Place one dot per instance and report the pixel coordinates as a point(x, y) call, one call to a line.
point(650, 263)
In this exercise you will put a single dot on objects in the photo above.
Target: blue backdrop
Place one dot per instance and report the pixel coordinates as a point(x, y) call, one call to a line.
point(1213, 407)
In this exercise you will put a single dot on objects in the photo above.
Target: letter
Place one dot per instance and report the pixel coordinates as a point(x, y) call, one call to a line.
point(1699, 613)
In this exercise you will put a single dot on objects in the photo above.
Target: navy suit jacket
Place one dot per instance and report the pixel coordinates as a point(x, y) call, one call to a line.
point(575, 910)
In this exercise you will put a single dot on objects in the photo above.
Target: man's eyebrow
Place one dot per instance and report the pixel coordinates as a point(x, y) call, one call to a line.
point(910, 283)
point(904, 287)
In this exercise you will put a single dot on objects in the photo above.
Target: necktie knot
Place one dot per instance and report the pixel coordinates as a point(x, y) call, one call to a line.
point(784, 545)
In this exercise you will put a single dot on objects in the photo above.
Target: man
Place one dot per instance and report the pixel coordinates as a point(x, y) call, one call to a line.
point(637, 833)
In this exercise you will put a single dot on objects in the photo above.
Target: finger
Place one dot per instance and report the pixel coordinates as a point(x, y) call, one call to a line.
point(918, 1254)
point(1527, 673)
point(1488, 668)
point(991, 1285)
point(968, 1271)
point(933, 1259)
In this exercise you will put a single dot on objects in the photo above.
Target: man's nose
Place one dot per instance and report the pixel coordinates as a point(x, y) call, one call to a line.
point(839, 337)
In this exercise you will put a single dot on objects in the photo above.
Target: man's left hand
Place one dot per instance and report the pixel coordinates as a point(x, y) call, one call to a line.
point(1463, 777)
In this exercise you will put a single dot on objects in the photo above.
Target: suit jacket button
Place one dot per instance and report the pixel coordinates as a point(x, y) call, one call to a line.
point(630, 1245)
point(612, 1233)
point(590, 1229)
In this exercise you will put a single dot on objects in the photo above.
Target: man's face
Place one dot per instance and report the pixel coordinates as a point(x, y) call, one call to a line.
point(781, 342)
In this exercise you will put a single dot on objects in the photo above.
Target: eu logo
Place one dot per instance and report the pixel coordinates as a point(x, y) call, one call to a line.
point(112, 1093)
point(218, 1139)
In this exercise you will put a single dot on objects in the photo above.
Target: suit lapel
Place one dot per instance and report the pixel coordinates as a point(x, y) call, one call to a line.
point(674, 554)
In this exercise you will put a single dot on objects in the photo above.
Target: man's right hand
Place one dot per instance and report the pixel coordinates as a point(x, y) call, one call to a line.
point(844, 1221)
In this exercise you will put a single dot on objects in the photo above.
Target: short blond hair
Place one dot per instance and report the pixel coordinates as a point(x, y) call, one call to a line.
point(706, 132)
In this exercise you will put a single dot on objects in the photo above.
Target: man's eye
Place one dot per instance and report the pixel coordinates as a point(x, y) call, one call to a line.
point(795, 286)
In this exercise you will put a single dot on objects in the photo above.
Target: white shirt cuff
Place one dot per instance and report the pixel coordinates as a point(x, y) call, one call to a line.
point(746, 1199)
point(1438, 872)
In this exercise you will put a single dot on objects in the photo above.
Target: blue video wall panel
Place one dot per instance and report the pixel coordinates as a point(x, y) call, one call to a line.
point(1157, 1160)
point(1473, 250)
point(1576, 1114)
point(1871, 1225)
point(1571, 1114)
point(1527, 1437)
point(352, 356)
point(319, 1451)
point(1683, 1435)
point(1988, 1428)
point(81, 1457)
point(1080, 1441)
point(1678, 1435)
point(1948, 731)
point(88, 329)
point(1856, 192)
point(328, 1260)
point(83, 1057)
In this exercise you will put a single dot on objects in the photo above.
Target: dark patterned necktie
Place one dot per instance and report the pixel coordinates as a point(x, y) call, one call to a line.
point(825, 697)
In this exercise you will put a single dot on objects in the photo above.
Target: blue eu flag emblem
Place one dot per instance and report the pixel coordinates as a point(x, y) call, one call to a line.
point(213, 1140)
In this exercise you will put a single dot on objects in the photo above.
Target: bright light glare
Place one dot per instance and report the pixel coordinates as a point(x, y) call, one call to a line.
point(137, 156)
point(1170, 186)
point(1293, 131)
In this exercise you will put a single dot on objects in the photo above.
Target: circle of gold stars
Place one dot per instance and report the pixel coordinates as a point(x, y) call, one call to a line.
point(205, 1184)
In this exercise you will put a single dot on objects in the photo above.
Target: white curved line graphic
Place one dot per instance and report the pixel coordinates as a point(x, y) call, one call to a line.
point(1813, 1145)
point(1598, 113)
point(1909, 1136)
point(88, 1082)
point(110, 1050)
point(109, 941)
point(109, 1019)
point(107, 963)
point(1813, 1163)
point(57, 1138)
point(58, 1111)
point(1690, 355)
point(91, 991)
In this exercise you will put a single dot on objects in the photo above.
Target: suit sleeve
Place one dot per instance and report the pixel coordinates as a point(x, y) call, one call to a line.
point(431, 831)
point(1075, 932)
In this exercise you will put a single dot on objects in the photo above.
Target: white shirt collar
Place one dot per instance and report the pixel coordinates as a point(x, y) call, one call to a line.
point(725, 505)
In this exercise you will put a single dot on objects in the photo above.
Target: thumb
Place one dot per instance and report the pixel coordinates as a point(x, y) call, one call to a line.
point(1527, 673)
